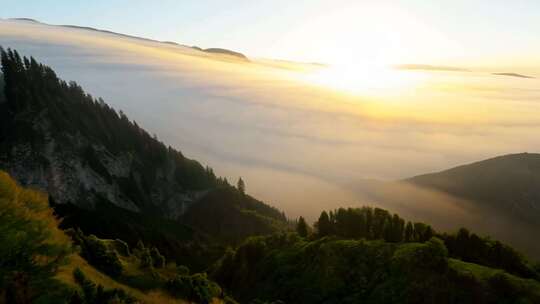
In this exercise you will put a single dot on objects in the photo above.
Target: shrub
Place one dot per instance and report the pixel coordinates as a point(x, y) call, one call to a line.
point(146, 258)
point(98, 253)
point(416, 256)
point(157, 258)
point(93, 293)
point(503, 287)
point(197, 288)
point(122, 247)
point(182, 270)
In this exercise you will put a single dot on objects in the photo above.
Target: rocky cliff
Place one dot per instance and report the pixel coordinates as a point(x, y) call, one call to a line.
point(55, 137)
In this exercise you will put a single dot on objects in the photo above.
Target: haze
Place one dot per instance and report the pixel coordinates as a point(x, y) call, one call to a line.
point(303, 136)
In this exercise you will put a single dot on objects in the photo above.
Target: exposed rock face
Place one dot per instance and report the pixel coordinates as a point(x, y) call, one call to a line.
point(64, 175)
point(55, 137)
point(68, 178)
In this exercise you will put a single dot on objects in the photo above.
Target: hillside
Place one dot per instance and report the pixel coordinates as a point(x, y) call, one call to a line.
point(508, 184)
point(354, 255)
point(82, 159)
point(219, 51)
point(234, 216)
point(356, 271)
point(371, 256)
point(39, 263)
point(57, 138)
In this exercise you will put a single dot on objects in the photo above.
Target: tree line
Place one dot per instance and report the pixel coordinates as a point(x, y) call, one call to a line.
point(379, 224)
point(371, 224)
point(32, 88)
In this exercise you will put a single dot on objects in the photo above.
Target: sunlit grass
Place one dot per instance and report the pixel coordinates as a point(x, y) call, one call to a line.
point(65, 275)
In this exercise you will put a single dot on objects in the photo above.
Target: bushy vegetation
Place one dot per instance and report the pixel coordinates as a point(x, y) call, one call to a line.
point(149, 257)
point(368, 255)
point(196, 287)
point(32, 247)
point(175, 241)
point(97, 294)
point(378, 224)
point(472, 248)
point(221, 218)
point(333, 270)
point(97, 253)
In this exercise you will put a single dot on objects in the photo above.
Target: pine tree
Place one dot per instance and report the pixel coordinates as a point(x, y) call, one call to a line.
point(428, 233)
point(302, 227)
point(241, 186)
point(324, 226)
point(409, 232)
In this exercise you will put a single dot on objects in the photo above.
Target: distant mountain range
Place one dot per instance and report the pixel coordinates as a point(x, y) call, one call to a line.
point(427, 67)
point(508, 184)
point(501, 196)
point(435, 68)
point(218, 51)
point(513, 75)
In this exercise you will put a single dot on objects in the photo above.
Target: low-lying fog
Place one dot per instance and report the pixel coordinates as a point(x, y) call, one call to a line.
point(300, 139)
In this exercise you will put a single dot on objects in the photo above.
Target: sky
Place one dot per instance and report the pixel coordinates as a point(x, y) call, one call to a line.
point(463, 33)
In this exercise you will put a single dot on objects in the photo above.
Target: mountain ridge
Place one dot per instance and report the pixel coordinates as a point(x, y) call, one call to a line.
point(504, 189)
point(102, 157)
point(211, 51)
point(492, 172)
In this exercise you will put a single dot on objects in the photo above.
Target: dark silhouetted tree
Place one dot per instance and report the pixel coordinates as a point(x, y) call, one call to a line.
point(324, 226)
point(409, 232)
point(241, 186)
point(302, 227)
point(157, 259)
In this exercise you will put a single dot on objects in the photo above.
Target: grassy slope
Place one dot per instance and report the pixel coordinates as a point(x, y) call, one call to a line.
point(484, 274)
point(142, 284)
point(65, 275)
point(33, 205)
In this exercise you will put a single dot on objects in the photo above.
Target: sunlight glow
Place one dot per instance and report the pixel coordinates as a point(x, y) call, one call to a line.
point(365, 80)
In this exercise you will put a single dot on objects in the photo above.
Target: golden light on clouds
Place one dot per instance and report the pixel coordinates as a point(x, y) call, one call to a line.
point(304, 126)
point(365, 80)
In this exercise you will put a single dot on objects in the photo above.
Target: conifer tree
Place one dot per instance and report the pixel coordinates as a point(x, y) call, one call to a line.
point(302, 227)
point(241, 186)
point(409, 232)
point(324, 226)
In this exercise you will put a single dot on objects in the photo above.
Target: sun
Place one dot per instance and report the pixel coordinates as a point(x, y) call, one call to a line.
point(363, 79)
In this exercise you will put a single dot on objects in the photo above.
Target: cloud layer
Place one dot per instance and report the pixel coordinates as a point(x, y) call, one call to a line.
point(299, 146)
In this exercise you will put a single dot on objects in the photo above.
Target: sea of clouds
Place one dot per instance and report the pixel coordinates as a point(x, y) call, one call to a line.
point(299, 146)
